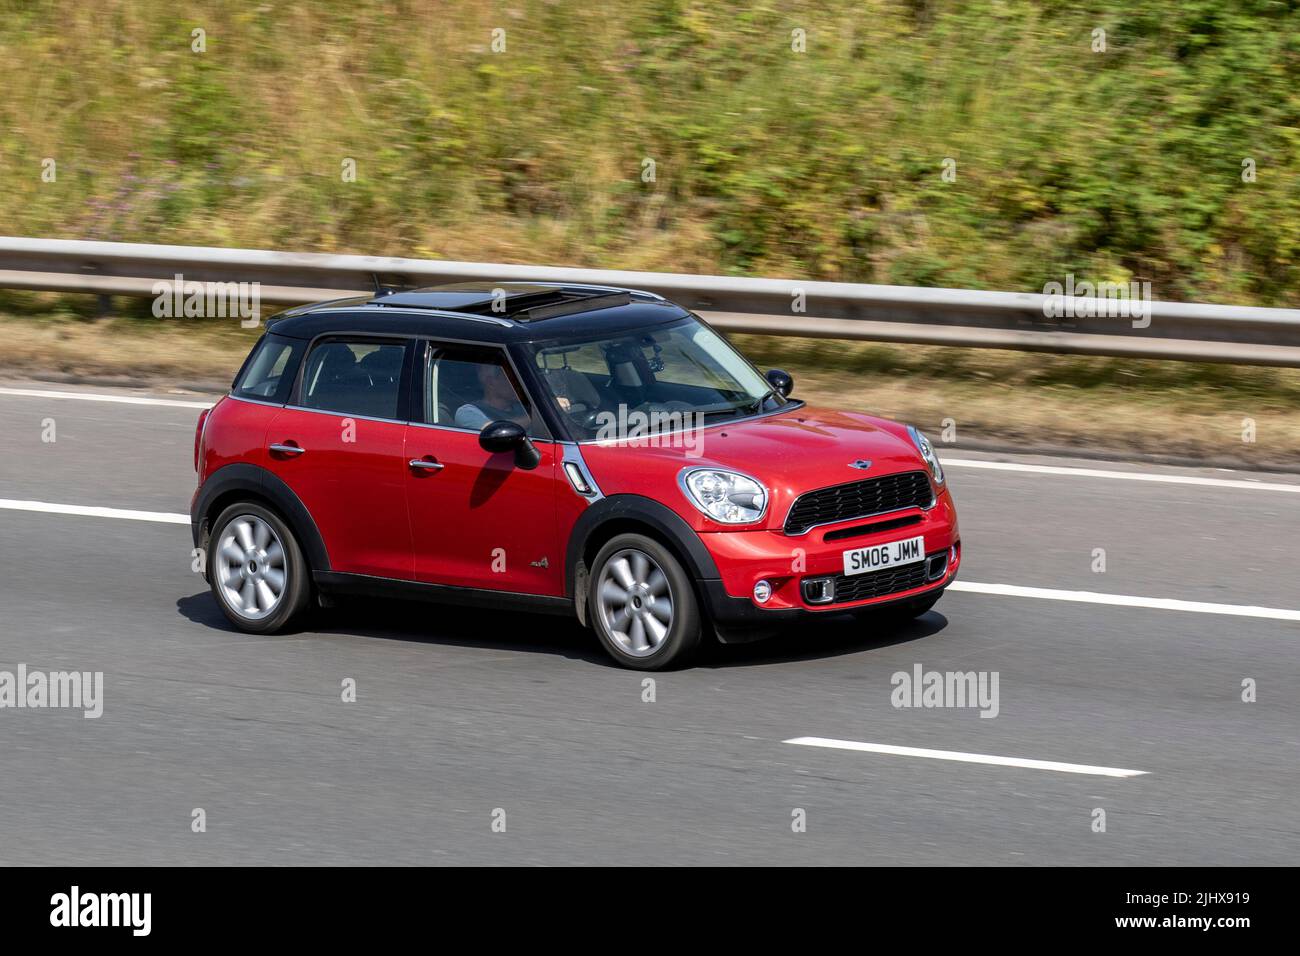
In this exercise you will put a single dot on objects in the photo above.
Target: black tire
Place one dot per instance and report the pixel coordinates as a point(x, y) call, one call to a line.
point(295, 591)
point(682, 629)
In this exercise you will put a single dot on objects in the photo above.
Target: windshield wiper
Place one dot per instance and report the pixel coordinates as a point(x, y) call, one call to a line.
point(742, 409)
point(729, 410)
point(757, 406)
point(747, 408)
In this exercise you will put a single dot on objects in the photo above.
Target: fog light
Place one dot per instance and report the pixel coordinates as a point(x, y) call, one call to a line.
point(819, 590)
point(762, 591)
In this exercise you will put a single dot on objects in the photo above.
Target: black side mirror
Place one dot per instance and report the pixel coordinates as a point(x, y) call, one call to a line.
point(505, 435)
point(783, 382)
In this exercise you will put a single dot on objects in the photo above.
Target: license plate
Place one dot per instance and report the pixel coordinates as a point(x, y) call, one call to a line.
point(881, 556)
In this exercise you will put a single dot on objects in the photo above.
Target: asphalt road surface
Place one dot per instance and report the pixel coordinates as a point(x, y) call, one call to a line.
point(463, 718)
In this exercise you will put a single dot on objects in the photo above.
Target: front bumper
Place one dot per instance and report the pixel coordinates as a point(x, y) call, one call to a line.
point(793, 564)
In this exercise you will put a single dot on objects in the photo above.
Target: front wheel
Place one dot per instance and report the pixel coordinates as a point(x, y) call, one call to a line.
point(643, 606)
point(256, 568)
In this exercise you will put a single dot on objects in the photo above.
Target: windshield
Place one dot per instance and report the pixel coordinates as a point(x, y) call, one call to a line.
point(648, 382)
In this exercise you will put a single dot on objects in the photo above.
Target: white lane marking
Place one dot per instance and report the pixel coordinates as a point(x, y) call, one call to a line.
point(87, 511)
point(972, 587)
point(99, 397)
point(961, 757)
point(1125, 475)
point(1126, 600)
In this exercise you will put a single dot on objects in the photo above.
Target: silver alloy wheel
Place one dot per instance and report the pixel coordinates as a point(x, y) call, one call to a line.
point(635, 602)
point(250, 569)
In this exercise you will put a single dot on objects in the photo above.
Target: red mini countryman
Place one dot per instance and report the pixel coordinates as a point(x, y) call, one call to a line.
point(584, 450)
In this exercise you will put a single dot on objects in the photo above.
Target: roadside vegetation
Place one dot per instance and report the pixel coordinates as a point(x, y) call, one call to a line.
point(692, 136)
point(1115, 165)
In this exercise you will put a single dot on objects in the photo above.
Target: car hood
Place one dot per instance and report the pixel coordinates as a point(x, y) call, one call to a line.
point(791, 453)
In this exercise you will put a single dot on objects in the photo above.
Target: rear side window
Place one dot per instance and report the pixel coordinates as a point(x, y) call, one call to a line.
point(268, 374)
point(354, 377)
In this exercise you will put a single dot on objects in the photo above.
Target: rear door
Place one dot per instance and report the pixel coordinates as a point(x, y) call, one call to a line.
point(340, 445)
point(477, 519)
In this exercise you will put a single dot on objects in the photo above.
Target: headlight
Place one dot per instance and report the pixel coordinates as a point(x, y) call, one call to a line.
point(927, 453)
point(725, 496)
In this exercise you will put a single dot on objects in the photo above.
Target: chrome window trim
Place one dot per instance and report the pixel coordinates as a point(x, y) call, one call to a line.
point(444, 428)
point(475, 431)
point(389, 421)
point(361, 418)
point(934, 500)
point(253, 401)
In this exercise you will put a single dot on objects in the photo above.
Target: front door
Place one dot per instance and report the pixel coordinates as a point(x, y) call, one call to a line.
point(478, 520)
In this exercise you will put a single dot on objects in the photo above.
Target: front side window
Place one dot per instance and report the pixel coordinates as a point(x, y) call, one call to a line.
point(664, 374)
point(354, 377)
point(469, 387)
point(268, 374)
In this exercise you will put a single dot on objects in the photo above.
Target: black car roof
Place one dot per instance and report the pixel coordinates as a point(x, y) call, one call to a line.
point(494, 313)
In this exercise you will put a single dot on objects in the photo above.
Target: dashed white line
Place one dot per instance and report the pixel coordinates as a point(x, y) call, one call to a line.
point(87, 511)
point(1122, 475)
point(960, 757)
point(1126, 600)
point(101, 397)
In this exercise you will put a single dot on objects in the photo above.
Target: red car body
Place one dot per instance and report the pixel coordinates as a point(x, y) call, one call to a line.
point(402, 506)
point(793, 452)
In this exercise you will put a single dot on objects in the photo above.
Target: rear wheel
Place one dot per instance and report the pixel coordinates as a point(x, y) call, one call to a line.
point(642, 604)
point(257, 570)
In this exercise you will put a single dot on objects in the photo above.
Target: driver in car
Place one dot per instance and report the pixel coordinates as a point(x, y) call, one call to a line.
point(499, 401)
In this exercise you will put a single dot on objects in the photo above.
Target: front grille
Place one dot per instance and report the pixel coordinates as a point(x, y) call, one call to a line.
point(859, 499)
point(860, 587)
point(858, 530)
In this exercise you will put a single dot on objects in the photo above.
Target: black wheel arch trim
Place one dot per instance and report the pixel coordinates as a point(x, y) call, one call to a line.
point(658, 517)
point(258, 481)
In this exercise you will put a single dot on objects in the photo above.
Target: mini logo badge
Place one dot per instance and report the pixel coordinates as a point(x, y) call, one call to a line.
point(862, 464)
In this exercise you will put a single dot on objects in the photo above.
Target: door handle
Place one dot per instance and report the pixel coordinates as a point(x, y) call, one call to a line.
point(287, 449)
point(425, 465)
